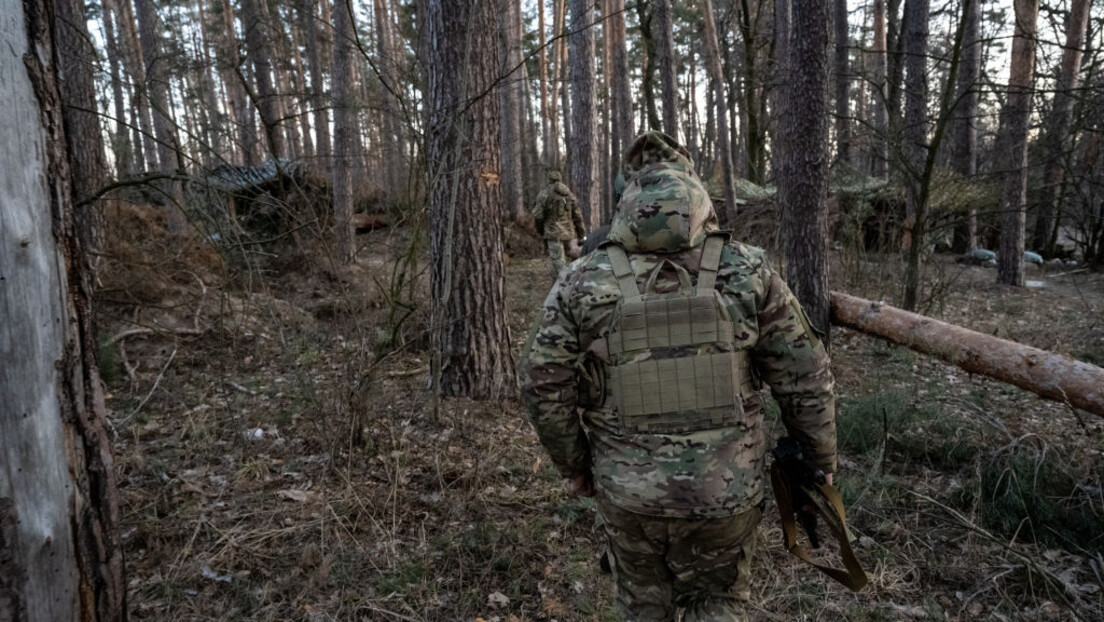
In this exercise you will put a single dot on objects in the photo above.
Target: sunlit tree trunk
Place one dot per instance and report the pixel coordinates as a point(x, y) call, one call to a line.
point(1057, 137)
point(803, 174)
point(60, 546)
point(1012, 148)
point(471, 335)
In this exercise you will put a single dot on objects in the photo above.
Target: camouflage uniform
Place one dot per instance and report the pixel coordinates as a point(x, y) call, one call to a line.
point(679, 510)
point(558, 219)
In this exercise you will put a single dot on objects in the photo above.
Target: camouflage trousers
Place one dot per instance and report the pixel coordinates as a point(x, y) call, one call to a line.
point(661, 565)
point(557, 250)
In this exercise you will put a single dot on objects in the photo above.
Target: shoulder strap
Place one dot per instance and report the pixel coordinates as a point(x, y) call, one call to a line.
point(829, 506)
point(623, 271)
point(710, 260)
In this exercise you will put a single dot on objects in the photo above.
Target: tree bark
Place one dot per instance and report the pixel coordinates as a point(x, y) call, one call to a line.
point(121, 145)
point(391, 70)
point(803, 176)
point(471, 336)
point(583, 148)
point(60, 547)
point(509, 94)
point(645, 18)
point(1058, 125)
point(346, 129)
point(915, 127)
point(87, 160)
point(843, 83)
point(256, 24)
point(137, 70)
point(621, 92)
point(665, 61)
point(319, 39)
point(878, 86)
point(1012, 156)
point(1046, 374)
point(754, 130)
point(712, 50)
point(229, 67)
point(964, 158)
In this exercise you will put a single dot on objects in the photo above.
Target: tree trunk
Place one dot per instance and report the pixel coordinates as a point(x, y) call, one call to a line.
point(87, 161)
point(843, 83)
point(121, 146)
point(755, 141)
point(1012, 157)
point(782, 21)
point(552, 154)
point(1047, 374)
point(583, 107)
point(803, 176)
point(258, 38)
point(605, 133)
point(471, 335)
point(915, 126)
point(157, 86)
point(645, 17)
point(509, 94)
point(712, 50)
point(319, 38)
point(60, 547)
point(964, 159)
point(895, 55)
point(137, 69)
point(229, 67)
point(665, 62)
point(1058, 125)
point(213, 121)
point(621, 92)
point(878, 86)
point(345, 131)
point(389, 63)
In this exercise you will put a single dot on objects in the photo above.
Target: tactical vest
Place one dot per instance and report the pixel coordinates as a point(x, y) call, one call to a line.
point(673, 366)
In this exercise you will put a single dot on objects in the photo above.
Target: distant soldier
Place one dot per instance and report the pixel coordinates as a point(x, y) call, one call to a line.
point(641, 381)
point(558, 219)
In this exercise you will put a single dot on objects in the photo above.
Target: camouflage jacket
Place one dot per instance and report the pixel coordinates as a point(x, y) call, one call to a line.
point(565, 383)
point(557, 214)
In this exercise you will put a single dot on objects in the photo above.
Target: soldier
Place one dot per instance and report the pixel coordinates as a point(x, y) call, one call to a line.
point(660, 339)
point(558, 219)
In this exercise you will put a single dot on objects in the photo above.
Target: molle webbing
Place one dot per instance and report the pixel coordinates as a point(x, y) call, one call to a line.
point(674, 368)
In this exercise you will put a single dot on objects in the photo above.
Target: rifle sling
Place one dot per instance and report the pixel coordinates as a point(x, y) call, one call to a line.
point(852, 576)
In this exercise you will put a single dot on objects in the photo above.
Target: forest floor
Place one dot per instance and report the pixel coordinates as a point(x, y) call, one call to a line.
point(280, 457)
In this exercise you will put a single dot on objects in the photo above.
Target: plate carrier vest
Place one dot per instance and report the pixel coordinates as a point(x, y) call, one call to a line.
point(674, 367)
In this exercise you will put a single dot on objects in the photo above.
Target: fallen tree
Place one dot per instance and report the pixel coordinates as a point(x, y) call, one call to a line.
point(1047, 374)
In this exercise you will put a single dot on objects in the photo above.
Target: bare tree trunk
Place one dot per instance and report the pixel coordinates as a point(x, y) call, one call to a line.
point(471, 334)
point(319, 39)
point(121, 145)
point(1050, 375)
point(136, 67)
point(803, 175)
point(157, 86)
point(964, 159)
point(583, 106)
point(895, 55)
point(212, 121)
point(645, 20)
point(915, 130)
point(559, 47)
point(754, 129)
point(60, 547)
point(391, 127)
point(510, 105)
point(843, 83)
point(665, 61)
point(878, 86)
point(87, 161)
point(1058, 125)
point(229, 66)
point(1012, 157)
point(712, 50)
point(542, 60)
point(299, 71)
point(345, 131)
point(620, 88)
point(256, 25)
point(605, 132)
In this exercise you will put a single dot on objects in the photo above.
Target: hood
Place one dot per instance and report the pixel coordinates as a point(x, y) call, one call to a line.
point(554, 176)
point(665, 208)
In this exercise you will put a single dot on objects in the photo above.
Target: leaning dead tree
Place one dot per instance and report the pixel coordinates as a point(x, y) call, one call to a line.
point(1046, 374)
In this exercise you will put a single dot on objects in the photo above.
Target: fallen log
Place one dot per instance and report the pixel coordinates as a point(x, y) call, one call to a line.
point(1047, 374)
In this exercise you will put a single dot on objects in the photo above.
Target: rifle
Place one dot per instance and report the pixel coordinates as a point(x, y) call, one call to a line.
point(802, 492)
